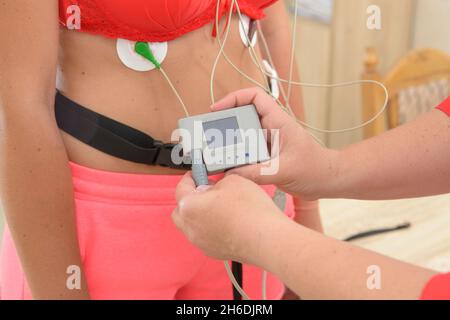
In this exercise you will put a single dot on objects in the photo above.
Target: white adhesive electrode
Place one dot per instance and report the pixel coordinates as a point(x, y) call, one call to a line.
point(244, 29)
point(129, 57)
point(274, 88)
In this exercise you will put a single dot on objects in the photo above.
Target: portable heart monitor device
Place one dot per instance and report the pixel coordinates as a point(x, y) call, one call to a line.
point(222, 140)
point(225, 139)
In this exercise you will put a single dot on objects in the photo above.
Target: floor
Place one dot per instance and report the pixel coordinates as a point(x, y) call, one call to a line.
point(426, 243)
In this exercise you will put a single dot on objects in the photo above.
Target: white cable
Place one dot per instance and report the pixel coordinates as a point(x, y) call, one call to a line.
point(267, 90)
point(293, 44)
point(313, 85)
point(258, 65)
point(269, 56)
point(234, 281)
point(222, 45)
point(213, 72)
point(264, 285)
point(346, 84)
point(252, 51)
point(175, 91)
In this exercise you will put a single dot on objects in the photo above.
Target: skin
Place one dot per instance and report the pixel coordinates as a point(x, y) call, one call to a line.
point(34, 154)
point(218, 219)
point(36, 192)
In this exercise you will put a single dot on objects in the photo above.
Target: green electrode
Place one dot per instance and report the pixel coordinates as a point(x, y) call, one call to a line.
point(143, 49)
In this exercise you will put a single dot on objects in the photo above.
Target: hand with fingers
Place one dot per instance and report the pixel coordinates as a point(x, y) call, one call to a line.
point(217, 218)
point(304, 167)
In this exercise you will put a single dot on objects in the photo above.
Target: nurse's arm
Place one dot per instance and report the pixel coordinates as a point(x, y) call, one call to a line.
point(409, 161)
point(317, 267)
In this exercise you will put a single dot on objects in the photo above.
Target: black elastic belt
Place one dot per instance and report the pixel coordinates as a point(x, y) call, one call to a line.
point(112, 137)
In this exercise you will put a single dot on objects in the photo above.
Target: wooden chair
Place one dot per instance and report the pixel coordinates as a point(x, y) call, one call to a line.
point(416, 84)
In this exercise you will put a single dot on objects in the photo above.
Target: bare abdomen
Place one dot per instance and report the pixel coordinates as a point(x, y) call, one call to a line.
point(92, 74)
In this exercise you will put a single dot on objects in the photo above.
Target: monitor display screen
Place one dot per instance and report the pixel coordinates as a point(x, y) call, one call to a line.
point(221, 133)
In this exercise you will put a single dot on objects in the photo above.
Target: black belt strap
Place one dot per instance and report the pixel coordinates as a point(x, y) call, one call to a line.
point(112, 137)
point(236, 267)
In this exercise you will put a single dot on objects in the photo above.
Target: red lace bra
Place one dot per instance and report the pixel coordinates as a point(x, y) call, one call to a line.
point(150, 20)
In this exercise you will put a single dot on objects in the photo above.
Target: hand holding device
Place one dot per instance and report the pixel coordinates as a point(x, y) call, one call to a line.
point(304, 167)
point(219, 141)
point(225, 219)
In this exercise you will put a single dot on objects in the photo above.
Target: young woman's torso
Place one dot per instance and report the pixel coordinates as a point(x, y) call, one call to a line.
point(91, 73)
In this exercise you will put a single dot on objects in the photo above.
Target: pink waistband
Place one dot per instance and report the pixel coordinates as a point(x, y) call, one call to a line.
point(105, 186)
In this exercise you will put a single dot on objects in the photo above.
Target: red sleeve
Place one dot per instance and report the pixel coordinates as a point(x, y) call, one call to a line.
point(438, 288)
point(445, 106)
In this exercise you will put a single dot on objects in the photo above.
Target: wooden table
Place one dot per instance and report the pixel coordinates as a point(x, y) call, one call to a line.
point(426, 243)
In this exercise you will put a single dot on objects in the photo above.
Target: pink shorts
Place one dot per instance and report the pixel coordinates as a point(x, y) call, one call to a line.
point(131, 249)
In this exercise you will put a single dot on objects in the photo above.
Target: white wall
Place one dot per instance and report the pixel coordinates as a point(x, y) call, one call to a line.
point(313, 57)
point(432, 24)
point(351, 37)
point(335, 52)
